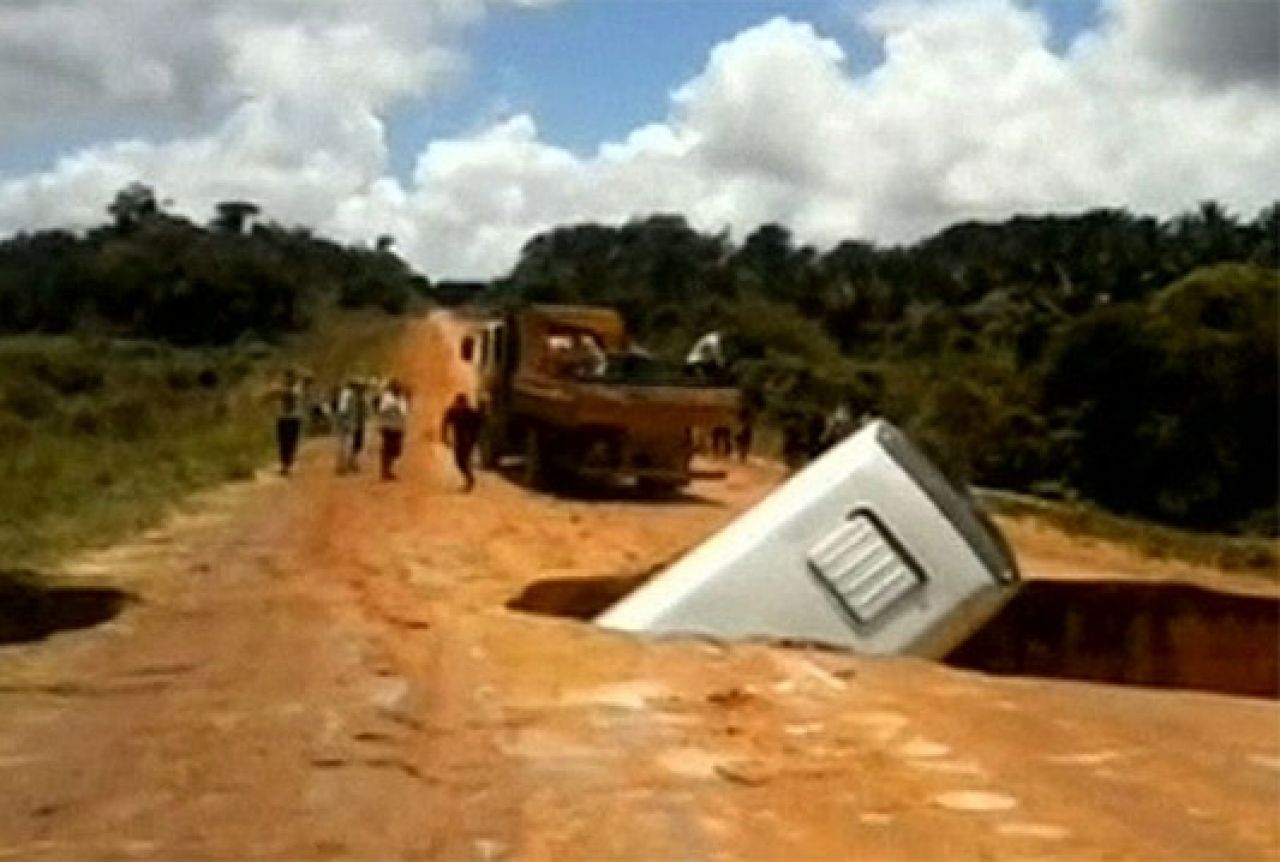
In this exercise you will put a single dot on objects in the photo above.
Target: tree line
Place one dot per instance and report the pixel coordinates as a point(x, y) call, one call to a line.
point(1124, 359)
point(149, 273)
point(1120, 358)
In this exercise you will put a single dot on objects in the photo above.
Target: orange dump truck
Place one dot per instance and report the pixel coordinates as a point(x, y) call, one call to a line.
point(564, 387)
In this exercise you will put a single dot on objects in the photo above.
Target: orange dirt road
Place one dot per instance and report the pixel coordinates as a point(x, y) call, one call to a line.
point(323, 668)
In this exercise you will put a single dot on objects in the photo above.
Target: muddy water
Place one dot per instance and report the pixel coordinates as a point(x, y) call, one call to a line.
point(1160, 635)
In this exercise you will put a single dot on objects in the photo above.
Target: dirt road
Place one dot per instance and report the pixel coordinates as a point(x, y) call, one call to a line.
point(324, 668)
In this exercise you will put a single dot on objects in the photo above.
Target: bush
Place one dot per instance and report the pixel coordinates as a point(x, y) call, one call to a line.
point(1173, 401)
point(209, 378)
point(13, 431)
point(85, 419)
point(180, 378)
point(69, 375)
point(130, 417)
point(29, 399)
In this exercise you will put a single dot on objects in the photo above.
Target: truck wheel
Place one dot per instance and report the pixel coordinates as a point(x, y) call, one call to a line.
point(537, 462)
point(658, 488)
point(490, 455)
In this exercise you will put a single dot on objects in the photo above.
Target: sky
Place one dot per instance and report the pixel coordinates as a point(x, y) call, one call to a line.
point(463, 127)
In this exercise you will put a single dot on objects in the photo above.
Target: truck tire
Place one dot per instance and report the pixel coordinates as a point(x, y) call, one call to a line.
point(537, 460)
point(490, 454)
point(659, 488)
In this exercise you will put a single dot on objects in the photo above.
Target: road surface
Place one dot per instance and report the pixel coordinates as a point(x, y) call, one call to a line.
point(324, 668)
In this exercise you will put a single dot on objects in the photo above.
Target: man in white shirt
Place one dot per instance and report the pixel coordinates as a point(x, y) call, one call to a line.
point(706, 358)
point(391, 411)
point(350, 415)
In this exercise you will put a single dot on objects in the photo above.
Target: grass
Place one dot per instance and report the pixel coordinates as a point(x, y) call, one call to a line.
point(1247, 554)
point(98, 438)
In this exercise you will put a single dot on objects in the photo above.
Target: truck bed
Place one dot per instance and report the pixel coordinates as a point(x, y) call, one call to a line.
point(583, 402)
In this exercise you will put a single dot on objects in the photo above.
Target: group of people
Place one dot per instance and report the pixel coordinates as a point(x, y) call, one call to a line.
point(727, 441)
point(805, 437)
point(352, 407)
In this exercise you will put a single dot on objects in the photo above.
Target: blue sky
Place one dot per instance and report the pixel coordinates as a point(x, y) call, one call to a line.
point(588, 71)
point(591, 70)
point(320, 111)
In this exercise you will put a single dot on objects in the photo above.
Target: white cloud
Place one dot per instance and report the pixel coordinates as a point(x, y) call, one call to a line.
point(970, 114)
point(188, 58)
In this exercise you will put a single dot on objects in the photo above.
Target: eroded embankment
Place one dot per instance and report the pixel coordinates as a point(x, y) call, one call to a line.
point(1164, 635)
point(1159, 635)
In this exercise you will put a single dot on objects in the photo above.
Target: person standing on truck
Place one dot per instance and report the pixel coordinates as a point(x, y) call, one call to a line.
point(589, 358)
point(392, 412)
point(706, 357)
point(292, 399)
point(461, 431)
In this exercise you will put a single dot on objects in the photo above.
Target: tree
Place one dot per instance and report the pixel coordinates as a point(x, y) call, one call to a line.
point(132, 205)
point(234, 216)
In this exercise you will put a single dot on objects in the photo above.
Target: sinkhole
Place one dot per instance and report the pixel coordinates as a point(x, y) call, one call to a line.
point(1158, 635)
point(32, 608)
point(1124, 633)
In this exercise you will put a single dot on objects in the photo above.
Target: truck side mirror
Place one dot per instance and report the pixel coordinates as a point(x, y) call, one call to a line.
point(468, 348)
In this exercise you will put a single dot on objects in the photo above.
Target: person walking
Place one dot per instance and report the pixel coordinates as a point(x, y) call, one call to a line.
point(746, 434)
point(721, 441)
point(349, 421)
point(461, 431)
point(839, 425)
point(292, 397)
point(392, 412)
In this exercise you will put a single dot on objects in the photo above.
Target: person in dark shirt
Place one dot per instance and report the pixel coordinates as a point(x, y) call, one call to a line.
point(461, 431)
point(746, 433)
point(292, 396)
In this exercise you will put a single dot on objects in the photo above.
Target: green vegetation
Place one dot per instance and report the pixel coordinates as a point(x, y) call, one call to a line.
point(139, 355)
point(151, 274)
point(1247, 554)
point(1105, 356)
point(98, 436)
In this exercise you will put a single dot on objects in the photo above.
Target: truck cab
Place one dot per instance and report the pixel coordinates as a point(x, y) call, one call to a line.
point(566, 388)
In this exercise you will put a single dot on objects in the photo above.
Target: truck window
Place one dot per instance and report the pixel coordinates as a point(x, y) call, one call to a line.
point(468, 348)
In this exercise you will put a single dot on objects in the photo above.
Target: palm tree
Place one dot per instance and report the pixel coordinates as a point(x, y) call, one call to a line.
point(234, 216)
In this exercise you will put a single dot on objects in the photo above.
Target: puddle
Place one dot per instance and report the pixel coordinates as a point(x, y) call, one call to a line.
point(975, 801)
point(1159, 635)
point(690, 762)
point(1028, 829)
point(628, 696)
point(31, 608)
